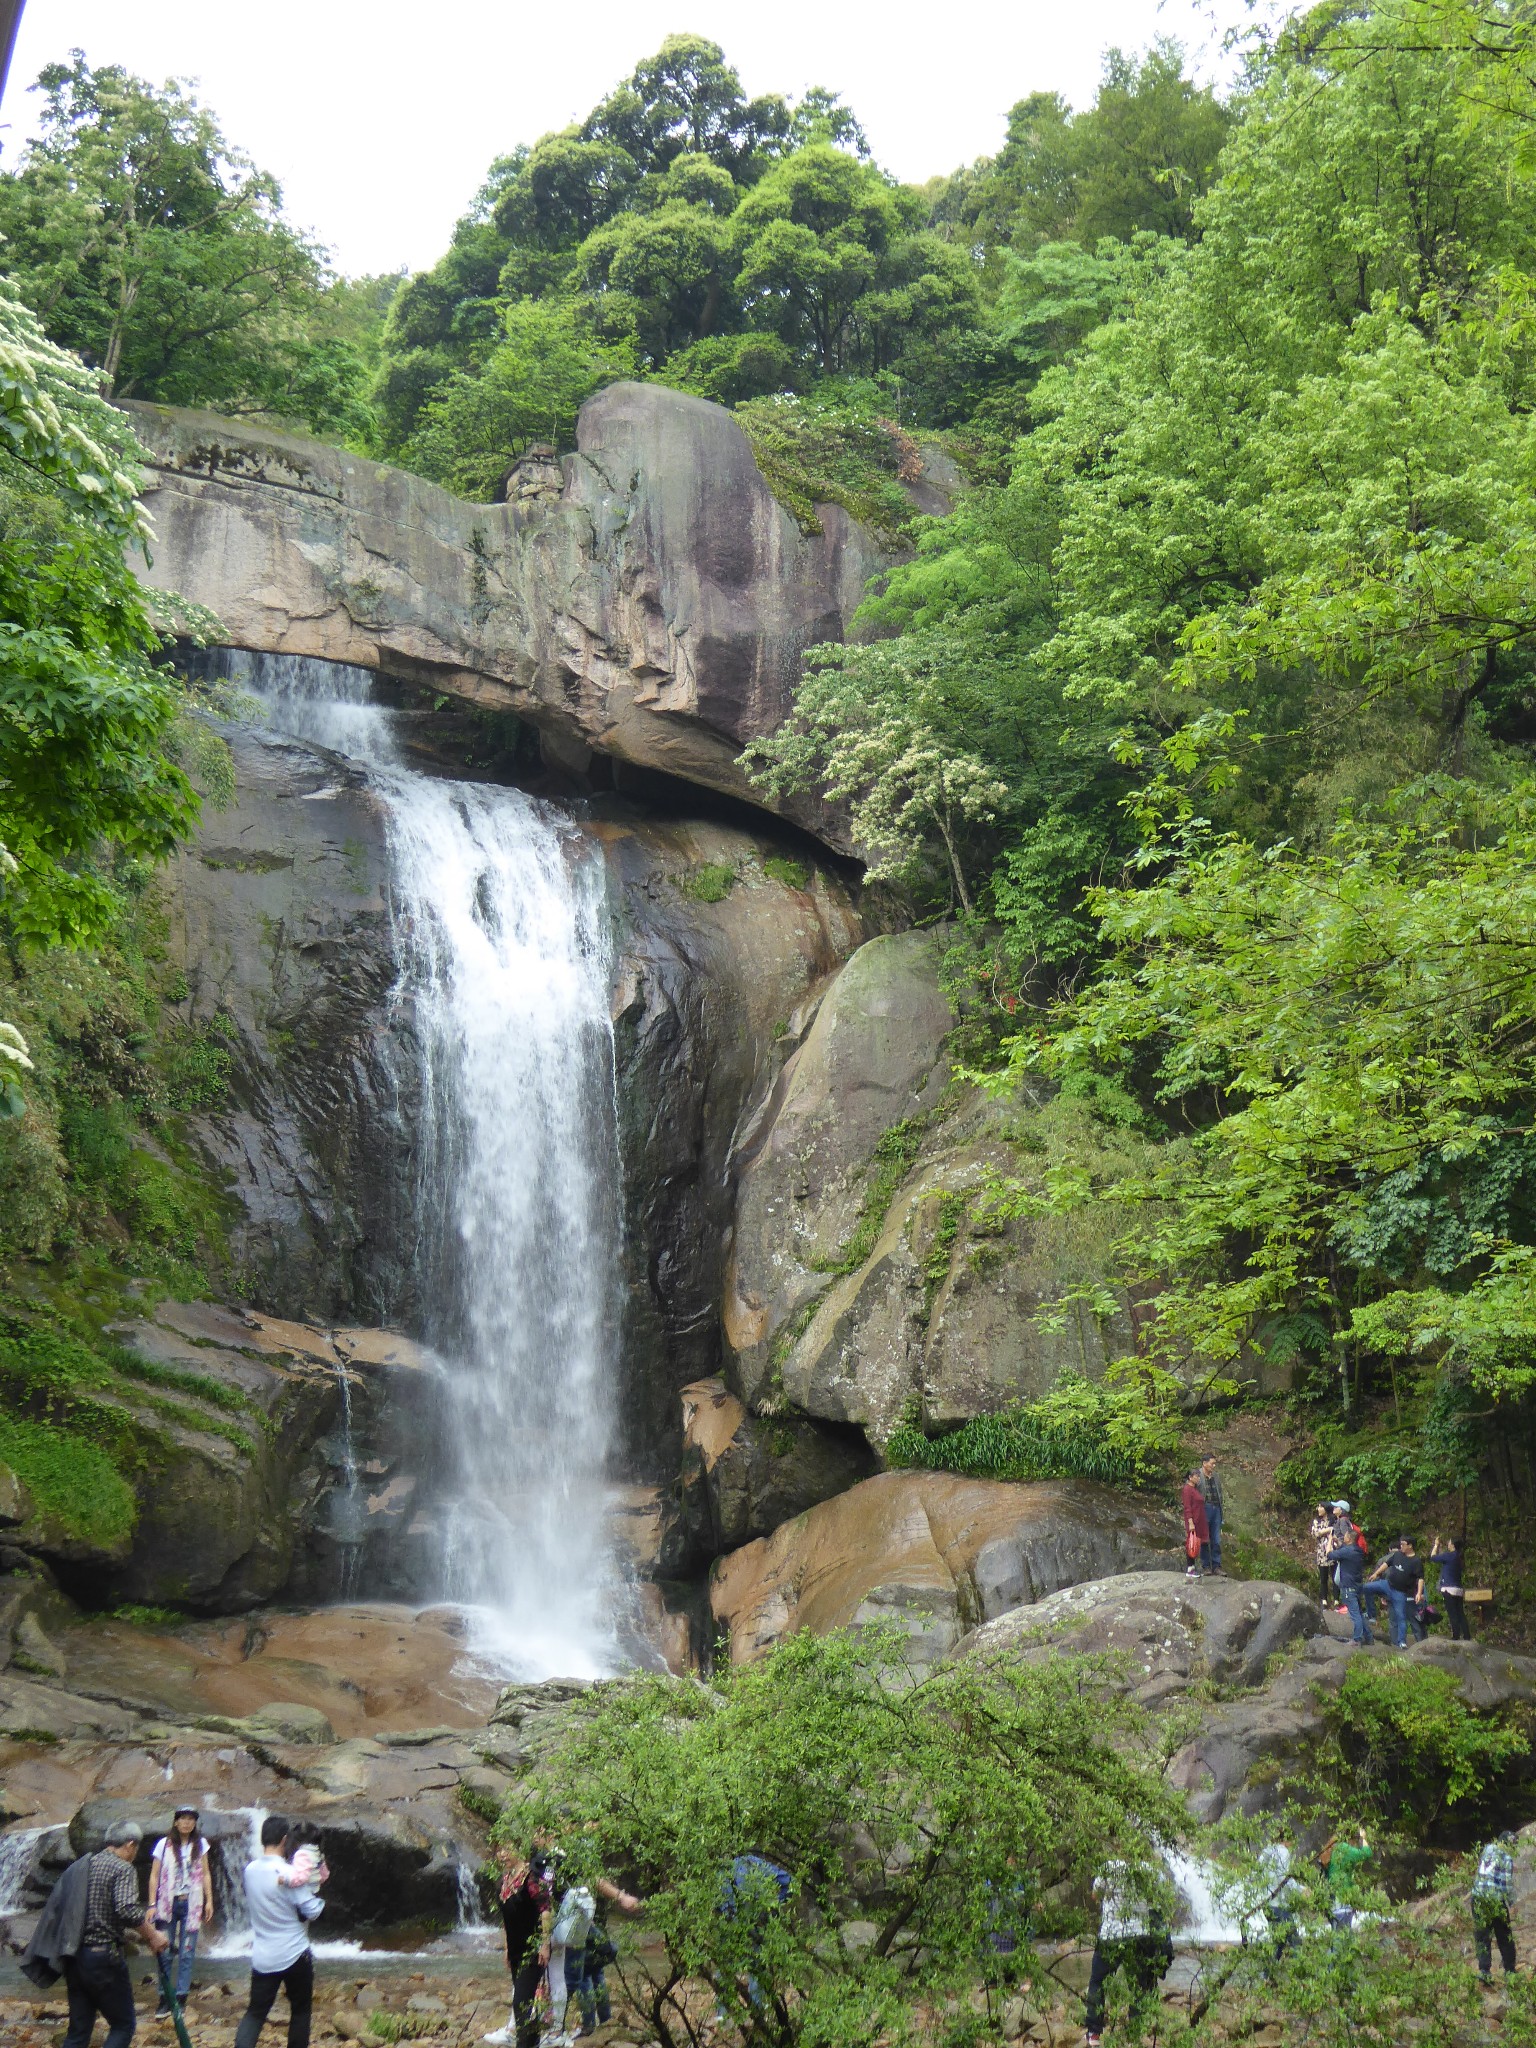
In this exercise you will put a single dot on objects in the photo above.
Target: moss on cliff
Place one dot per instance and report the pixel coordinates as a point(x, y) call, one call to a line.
point(73, 1482)
point(98, 1165)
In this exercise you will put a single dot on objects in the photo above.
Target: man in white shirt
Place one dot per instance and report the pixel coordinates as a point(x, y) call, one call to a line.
point(1133, 1938)
point(280, 1951)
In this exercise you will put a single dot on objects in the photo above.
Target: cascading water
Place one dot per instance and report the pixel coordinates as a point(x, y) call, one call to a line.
point(16, 1856)
point(502, 1034)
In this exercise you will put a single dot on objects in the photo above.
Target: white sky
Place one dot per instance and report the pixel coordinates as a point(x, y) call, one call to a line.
point(380, 117)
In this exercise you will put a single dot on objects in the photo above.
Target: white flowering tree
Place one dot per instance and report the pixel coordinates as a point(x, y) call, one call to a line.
point(872, 728)
point(85, 714)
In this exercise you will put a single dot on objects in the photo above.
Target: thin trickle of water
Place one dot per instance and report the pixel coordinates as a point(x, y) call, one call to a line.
point(502, 1037)
point(325, 702)
point(231, 1853)
point(348, 1510)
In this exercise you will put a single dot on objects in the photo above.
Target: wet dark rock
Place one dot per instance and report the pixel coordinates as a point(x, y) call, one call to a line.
point(742, 1475)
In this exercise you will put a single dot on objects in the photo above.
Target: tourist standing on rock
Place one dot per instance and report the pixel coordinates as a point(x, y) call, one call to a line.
point(80, 1934)
point(1493, 1894)
point(1210, 1487)
point(1349, 1569)
point(281, 1958)
point(1133, 1938)
point(1405, 1589)
point(1453, 1585)
point(181, 1899)
point(527, 1894)
point(1321, 1533)
point(1197, 1528)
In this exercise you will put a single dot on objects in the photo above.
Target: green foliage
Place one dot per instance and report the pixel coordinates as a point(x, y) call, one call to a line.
point(911, 1805)
point(139, 1616)
point(1345, 1030)
point(145, 242)
point(84, 716)
point(529, 388)
point(834, 446)
point(1137, 161)
point(794, 874)
point(403, 2026)
point(710, 882)
point(73, 1481)
point(1413, 1747)
point(953, 1208)
point(1124, 1432)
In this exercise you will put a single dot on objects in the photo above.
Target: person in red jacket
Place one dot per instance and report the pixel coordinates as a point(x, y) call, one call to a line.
point(1195, 1524)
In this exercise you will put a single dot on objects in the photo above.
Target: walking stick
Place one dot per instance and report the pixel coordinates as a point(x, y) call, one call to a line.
point(183, 2038)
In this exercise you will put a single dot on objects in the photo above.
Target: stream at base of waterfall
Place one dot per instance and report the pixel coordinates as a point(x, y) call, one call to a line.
point(501, 1041)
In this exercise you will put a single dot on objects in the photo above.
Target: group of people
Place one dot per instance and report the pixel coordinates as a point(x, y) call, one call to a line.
point(558, 1949)
point(94, 1909)
point(1201, 1505)
point(1343, 1553)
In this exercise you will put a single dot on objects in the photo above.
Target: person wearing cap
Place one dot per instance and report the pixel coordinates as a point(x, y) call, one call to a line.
point(181, 1897)
point(1349, 1566)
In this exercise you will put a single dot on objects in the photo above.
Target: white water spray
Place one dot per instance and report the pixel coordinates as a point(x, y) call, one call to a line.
point(17, 1852)
point(502, 1031)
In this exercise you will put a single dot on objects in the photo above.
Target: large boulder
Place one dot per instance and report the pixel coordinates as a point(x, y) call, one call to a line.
point(870, 1277)
point(932, 1553)
point(1172, 1631)
point(871, 1063)
point(647, 598)
point(723, 943)
point(1255, 1754)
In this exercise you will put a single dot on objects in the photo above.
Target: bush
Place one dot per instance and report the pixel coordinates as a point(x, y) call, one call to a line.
point(915, 1806)
point(1125, 1433)
point(794, 874)
point(1412, 1746)
point(833, 447)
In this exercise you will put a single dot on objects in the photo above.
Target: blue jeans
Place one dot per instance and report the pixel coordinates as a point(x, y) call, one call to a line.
point(1213, 1523)
point(183, 1940)
point(1403, 1610)
point(1354, 1601)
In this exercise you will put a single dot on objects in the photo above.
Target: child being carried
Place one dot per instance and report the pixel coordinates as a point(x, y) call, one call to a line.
point(306, 1863)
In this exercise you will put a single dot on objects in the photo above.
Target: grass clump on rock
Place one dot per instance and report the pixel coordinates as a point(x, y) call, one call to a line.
point(1123, 1432)
point(710, 882)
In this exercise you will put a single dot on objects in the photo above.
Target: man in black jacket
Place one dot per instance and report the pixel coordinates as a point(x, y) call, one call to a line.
point(94, 1905)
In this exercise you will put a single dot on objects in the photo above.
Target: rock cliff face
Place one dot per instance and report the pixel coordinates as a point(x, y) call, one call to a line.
point(647, 598)
point(867, 1275)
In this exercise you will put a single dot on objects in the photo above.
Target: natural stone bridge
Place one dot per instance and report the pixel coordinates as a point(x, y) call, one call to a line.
point(645, 598)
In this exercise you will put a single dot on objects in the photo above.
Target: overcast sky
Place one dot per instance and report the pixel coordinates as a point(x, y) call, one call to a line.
point(380, 117)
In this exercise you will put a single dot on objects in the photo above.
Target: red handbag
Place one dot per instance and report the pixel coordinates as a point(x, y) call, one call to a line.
point(1191, 1546)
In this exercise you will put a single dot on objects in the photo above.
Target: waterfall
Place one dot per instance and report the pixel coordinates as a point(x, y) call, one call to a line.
point(501, 1032)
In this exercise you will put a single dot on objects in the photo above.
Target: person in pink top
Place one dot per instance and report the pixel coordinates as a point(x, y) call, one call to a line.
point(180, 1897)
